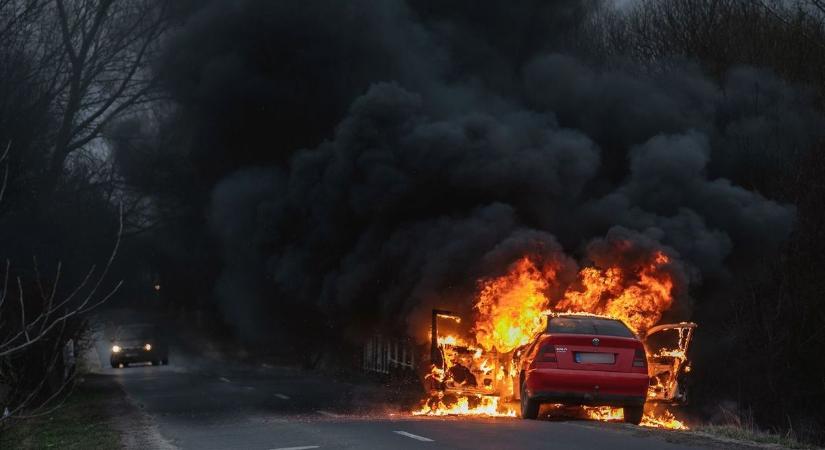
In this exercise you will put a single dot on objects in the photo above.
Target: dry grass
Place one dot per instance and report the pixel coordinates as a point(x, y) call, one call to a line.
point(83, 422)
point(753, 435)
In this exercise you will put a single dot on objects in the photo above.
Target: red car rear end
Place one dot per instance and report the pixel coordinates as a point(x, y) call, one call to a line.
point(584, 360)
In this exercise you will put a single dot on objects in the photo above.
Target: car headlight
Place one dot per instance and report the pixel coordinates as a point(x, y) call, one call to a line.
point(147, 347)
point(116, 349)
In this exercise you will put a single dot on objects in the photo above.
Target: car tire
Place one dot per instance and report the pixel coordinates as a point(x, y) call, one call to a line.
point(114, 364)
point(165, 361)
point(529, 407)
point(633, 414)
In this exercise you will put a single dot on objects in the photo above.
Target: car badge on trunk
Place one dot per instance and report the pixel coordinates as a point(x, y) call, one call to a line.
point(596, 342)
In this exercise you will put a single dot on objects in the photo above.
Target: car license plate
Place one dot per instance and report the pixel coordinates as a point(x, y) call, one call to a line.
point(595, 358)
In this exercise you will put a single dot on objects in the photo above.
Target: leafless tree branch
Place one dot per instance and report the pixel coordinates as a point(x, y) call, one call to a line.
point(24, 339)
point(48, 326)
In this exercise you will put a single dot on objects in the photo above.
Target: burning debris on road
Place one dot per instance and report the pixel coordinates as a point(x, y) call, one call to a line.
point(474, 370)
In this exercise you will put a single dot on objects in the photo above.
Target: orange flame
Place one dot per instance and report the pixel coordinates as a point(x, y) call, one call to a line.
point(666, 419)
point(487, 406)
point(604, 413)
point(638, 295)
point(510, 307)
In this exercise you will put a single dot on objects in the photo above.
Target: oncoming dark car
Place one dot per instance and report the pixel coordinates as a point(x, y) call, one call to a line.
point(583, 360)
point(139, 343)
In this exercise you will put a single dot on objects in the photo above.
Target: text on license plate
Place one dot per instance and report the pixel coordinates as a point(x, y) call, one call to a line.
point(595, 358)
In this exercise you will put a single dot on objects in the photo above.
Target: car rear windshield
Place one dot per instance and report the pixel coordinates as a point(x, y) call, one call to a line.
point(588, 325)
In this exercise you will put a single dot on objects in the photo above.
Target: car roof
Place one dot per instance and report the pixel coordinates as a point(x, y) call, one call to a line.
point(572, 315)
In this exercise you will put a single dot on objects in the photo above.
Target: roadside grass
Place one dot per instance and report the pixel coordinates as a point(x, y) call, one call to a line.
point(81, 423)
point(740, 433)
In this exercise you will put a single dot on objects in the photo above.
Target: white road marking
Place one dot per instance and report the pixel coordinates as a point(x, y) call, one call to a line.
point(413, 436)
point(327, 413)
point(282, 396)
point(305, 447)
point(225, 380)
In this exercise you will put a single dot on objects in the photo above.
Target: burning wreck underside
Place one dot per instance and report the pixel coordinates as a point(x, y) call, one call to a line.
point(473, 368)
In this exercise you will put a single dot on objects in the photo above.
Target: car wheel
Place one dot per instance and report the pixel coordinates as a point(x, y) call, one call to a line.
point(114, 364)
point(529, 407)
point(165, 361)
point(633, 414)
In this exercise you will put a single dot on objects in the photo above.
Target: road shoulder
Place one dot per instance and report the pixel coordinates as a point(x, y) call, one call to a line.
point(136, 427)
point(83, 420)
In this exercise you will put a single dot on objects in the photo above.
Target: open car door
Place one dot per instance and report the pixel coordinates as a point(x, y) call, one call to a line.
point(667, 360)
point(461, 368)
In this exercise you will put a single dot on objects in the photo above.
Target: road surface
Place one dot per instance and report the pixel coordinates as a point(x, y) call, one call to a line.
point(199, 404)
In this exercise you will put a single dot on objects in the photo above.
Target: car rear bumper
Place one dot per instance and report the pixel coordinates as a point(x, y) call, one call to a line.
point(587, 387)
point(587, 398)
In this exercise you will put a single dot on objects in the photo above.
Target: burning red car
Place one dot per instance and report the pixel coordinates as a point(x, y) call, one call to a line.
point(583, 360)
point(536, 338)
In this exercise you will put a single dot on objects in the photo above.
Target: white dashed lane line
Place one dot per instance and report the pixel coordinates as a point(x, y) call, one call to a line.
point(413, 436)
point(282, 396)
point(305, 447)
point(225, 380)
point(328, 414)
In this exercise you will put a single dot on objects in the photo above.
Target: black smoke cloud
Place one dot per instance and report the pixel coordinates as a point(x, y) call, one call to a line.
point(247, 72)
point(390, 156)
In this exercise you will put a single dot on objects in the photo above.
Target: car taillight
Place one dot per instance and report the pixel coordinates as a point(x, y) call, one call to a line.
point(547, 354)
point(639, 359)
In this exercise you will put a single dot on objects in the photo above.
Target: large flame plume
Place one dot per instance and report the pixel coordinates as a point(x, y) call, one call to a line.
point(509, 307)
point(638, 294)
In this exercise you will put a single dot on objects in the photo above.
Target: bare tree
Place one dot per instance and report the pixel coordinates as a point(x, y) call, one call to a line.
point(787, 37)
point(104, 73)
point(33, 330)
point(91, 60)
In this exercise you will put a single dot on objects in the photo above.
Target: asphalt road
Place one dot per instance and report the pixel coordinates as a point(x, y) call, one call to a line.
point(201, 404)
